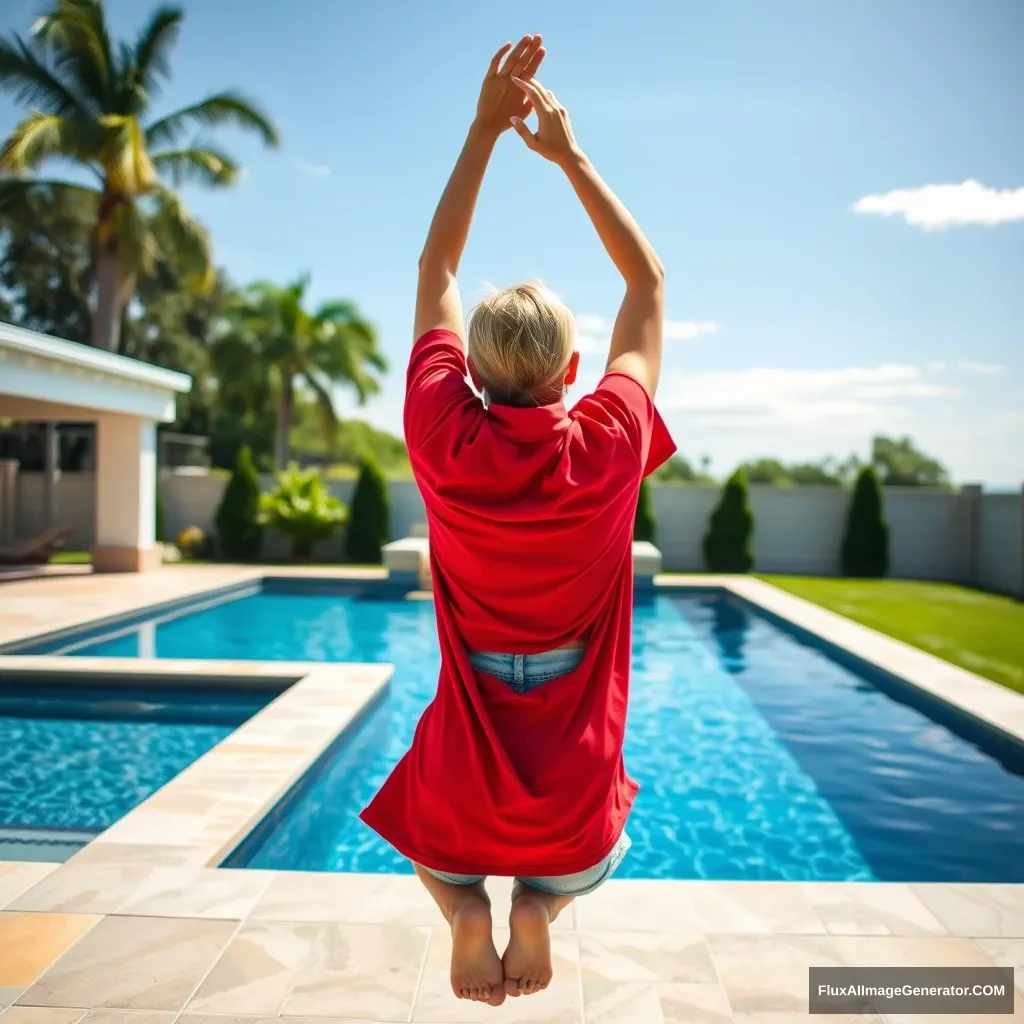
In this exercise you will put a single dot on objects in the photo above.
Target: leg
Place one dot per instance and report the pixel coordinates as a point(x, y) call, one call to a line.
point(476, 969)
point(527, 960)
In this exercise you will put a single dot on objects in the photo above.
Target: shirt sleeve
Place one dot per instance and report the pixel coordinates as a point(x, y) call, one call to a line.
point(435, 382)
point(624, 402)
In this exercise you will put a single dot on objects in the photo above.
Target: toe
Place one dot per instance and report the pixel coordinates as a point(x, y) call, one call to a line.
point(512, 986)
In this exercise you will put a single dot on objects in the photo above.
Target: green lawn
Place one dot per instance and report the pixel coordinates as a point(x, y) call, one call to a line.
point(71, 558)
point(979, 632)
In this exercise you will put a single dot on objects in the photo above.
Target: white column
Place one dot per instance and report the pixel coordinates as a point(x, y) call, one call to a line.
point(125, 495)
point(51, 466)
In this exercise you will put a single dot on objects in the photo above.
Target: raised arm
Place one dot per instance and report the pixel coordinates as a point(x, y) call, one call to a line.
point(637, 336)
point(437, 294)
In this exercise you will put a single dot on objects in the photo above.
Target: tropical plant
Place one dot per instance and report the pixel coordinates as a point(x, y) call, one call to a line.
point(900, 463)
point(90, 103)
point(279, 343)
point(302, 508)
point(727, 544)
point(644, 526)
point(369, 515)
point(238, 515)
point(865, 550)
point(191, 542)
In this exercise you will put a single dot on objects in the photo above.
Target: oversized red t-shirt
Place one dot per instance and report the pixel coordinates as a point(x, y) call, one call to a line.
point(530, 514)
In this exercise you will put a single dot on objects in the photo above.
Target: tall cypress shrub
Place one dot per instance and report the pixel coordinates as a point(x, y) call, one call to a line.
point(238, 529)
point(369, 515)
point(728, 542)
point(865, 551)
point(644, 527)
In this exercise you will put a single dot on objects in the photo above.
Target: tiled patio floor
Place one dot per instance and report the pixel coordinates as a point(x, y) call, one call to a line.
point(162, 941)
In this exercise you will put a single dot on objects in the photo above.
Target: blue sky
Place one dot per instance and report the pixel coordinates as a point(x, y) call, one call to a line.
point(759, 144)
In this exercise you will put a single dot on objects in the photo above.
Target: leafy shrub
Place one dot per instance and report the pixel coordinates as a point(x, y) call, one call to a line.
point(644, 526)
point(727, 544)
point(865, 550)
point(191, 542)
point(302, 508)
point(369, 516)
point(238, 523)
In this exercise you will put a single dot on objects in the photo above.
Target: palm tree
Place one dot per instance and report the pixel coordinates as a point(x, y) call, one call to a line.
point(277, 343)
point(90, 104)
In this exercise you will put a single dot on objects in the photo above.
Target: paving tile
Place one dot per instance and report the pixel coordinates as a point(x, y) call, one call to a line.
point(187, 892)
point(100, 888)
point(257, 969)
point(348, 898)
point(8, 996)
point(768, 974)
point(960, 1018)
point(17, 876)
point(698, 906)
point(360, 971)
point(645, 957)
point(242, 1018)
point(44, 1015)
point(29, 943)
point(1005, 953)
point(150, 963)
point(976, 910)
point(103, 851)
point(559, 1003)
point(890, 951)
point(871, 908)
point(110, 1016)
point(695, 1004)
point(622, 1002)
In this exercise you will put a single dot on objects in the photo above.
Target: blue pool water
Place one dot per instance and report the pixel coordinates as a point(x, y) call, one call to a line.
point(760, 755)
point(74, 761)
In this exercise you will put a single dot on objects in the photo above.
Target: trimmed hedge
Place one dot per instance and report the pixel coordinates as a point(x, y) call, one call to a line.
point(369, 515)
point(865, 551)
point(728, 542)
point(644, 527)
point(238, 528)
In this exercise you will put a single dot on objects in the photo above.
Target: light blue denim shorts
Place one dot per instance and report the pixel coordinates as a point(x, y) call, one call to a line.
point(522, 673)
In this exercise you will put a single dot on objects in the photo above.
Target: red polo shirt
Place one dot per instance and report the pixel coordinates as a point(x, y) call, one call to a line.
point(530, 513)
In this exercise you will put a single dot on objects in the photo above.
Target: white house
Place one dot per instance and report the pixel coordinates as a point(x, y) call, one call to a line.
point(46, 379)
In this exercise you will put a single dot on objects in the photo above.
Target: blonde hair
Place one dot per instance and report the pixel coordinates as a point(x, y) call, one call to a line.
point(520, 344)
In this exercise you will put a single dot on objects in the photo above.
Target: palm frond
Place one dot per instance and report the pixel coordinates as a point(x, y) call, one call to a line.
point(42, 136)
point(76, 31)
point(184, 233)
point(204, 165)
point(325, 407)
point(31, 82)
point(136, 246)
point(129, 170)
point(154, 46)
point(14, 190)
point(225, 108)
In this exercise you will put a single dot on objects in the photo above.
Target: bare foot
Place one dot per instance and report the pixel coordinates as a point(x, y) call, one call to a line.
point(476, 969)
point(527, 961)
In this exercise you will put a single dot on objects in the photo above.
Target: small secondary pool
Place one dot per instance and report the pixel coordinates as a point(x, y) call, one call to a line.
point(761, 754)
point(74, 760)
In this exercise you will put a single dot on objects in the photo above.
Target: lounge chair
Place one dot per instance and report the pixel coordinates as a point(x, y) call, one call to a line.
point(36, 550)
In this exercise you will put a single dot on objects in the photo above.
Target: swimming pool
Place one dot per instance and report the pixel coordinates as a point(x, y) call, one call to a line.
point(75, 760)
point(761, 754)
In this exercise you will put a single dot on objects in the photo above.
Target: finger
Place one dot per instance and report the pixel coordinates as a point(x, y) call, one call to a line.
point(524, 133)
point(496, 59)
point(512, 61)
point(531, 68)
point(526, 56)
point(536, 92)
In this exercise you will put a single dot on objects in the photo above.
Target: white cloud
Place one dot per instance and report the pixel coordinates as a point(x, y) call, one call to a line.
point(970, 366)
point(934, 207)
point(936, 367)
point(687, 330)
point(769, 398)
point(593, 332)
point(312, 170)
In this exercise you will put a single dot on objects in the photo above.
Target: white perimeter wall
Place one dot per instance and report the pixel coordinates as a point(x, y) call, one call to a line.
point(957, 536)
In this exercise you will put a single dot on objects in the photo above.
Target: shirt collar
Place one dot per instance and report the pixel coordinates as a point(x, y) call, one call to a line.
point(529, 423)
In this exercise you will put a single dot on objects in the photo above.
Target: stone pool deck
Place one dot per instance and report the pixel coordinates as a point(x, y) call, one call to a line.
point(141, 927)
